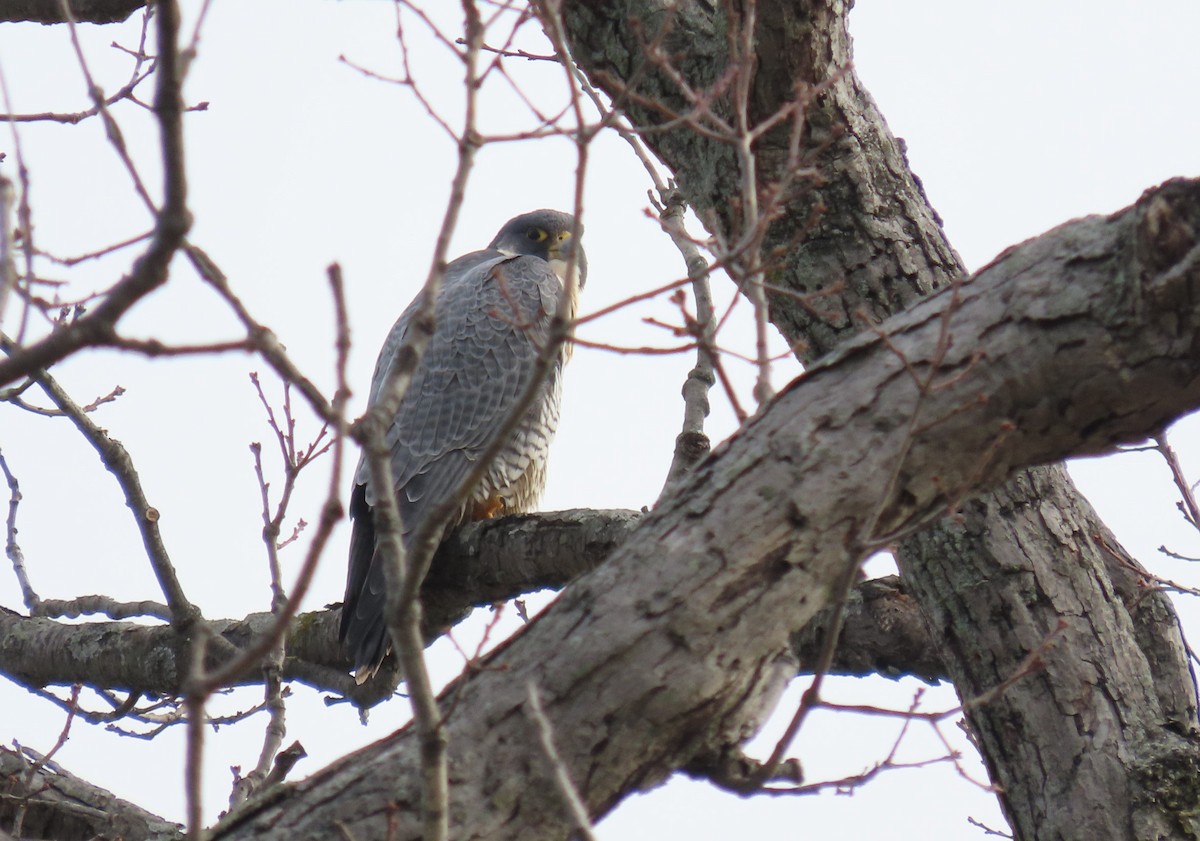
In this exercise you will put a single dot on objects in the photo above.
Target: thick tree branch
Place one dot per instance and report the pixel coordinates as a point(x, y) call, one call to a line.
point(59, 805)
point(480, 564)
point(84, 11)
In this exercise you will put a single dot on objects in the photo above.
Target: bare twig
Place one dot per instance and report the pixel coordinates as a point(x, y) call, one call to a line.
point(99, 252)
point(46, 761)
point(12, 396)
point(276, 729)
point(102, 605)
point(331, 510)
point(11, 547)
point(750, 275)
point(195, 696)
point(987, 830)
point(261, 338)
point(633, 299)
point(8, 264)
point(812, 695)
point(272, 665)
point(404, 571)
point(118, 461)
point(75, 117)
point(562, 777)
point(284, 762)
point(111, 127)
point(139, 73)
point(692, 444)
point(171, 224)
point(1188, 506)
point(24, 228)
point(63, 734)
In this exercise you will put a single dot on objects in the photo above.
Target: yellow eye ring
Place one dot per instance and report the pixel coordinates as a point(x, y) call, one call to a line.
point(536, 235)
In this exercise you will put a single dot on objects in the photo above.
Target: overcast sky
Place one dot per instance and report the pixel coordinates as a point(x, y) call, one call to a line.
point(1017, 117)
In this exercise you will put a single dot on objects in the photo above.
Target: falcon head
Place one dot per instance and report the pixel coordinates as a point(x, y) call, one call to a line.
point(545, 234)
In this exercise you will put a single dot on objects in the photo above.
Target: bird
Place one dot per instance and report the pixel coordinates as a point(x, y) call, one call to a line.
point(492, 318)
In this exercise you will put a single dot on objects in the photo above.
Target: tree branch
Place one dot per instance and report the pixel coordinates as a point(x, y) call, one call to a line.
point(479, 564)
point(84, 11)
point(59, 805)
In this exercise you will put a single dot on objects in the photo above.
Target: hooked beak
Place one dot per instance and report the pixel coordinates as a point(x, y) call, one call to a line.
point(560, 253)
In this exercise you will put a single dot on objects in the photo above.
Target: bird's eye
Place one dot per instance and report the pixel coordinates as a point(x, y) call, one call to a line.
point(536, 235)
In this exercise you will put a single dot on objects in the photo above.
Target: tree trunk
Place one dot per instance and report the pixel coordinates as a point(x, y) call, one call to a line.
point(1124, 761)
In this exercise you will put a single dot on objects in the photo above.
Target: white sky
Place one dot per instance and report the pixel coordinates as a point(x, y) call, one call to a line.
point(1018, 116)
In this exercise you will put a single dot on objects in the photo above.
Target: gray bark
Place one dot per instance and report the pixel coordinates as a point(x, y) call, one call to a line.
point(864, 225)
point(53, 803)
point(84, 11)
point(479, 564)
point(1112, 720)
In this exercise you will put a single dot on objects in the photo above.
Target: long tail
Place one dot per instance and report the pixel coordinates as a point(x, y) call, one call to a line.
point(363, 629)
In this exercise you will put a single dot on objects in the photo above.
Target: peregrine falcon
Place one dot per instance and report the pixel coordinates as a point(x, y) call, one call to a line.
point(493, 316)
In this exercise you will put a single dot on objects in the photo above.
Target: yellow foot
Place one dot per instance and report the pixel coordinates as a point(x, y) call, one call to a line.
point(488, 508)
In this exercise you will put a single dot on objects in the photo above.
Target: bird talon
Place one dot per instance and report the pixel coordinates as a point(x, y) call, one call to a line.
point(489, 509)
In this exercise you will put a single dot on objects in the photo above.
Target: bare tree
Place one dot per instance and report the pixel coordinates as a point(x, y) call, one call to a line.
point(932, 403)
